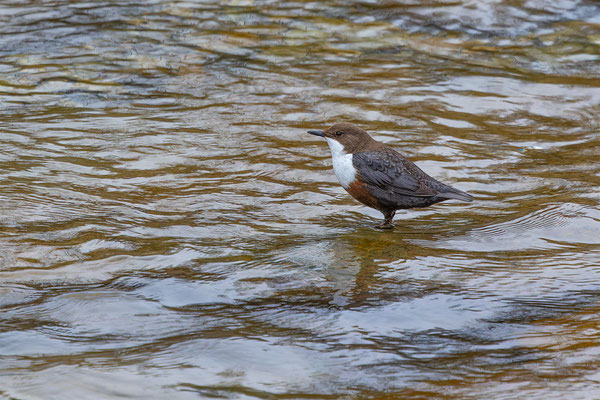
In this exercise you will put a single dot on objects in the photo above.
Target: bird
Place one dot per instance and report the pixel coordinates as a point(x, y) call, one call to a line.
point(380, 177)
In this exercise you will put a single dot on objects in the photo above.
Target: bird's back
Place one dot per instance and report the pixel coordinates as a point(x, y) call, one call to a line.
point(398, 182)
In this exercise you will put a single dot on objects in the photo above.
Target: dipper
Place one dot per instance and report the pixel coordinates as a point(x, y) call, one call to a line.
point(380, 177)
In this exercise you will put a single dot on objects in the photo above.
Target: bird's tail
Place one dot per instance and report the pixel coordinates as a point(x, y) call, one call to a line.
point(456, 195)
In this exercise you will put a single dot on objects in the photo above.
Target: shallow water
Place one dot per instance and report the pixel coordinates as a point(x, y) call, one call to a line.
point(168, 229)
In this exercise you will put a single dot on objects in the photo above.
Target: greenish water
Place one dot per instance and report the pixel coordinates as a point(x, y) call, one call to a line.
point(169, 230)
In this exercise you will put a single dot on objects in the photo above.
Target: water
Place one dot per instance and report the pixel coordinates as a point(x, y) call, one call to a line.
point(168, 229)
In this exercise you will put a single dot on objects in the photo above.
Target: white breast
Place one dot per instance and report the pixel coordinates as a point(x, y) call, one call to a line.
point(342, 163)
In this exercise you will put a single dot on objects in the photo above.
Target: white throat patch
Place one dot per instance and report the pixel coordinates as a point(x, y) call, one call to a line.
point(342, 163)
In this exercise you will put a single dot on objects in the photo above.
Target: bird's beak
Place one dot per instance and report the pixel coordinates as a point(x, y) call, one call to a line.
point(317, 133)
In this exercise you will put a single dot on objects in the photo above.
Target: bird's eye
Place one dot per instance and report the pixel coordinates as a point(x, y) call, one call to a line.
point(339, 133)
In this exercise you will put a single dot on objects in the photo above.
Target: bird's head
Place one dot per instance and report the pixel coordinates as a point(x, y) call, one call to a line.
point(351, 137)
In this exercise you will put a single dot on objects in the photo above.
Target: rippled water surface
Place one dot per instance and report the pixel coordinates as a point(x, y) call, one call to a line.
point(168, 230)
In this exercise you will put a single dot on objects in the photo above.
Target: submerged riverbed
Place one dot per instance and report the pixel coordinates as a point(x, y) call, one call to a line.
point(169, 230)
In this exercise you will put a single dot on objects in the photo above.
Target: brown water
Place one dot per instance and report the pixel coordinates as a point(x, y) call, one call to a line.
point(169, 231)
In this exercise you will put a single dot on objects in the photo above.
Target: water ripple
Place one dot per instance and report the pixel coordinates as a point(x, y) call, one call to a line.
point(169, 230)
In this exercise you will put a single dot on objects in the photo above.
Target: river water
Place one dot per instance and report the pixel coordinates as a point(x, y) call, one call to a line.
point(169, 230)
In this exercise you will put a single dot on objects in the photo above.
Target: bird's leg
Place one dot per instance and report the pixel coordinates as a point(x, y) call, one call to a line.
point(388, 216)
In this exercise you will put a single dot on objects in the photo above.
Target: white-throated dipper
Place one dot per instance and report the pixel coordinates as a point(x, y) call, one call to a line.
point(380, 177)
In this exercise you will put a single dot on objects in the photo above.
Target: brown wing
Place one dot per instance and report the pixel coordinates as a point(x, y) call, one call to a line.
point(391, 172)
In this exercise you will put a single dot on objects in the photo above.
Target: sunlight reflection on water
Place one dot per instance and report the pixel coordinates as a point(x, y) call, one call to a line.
point(168, 228)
